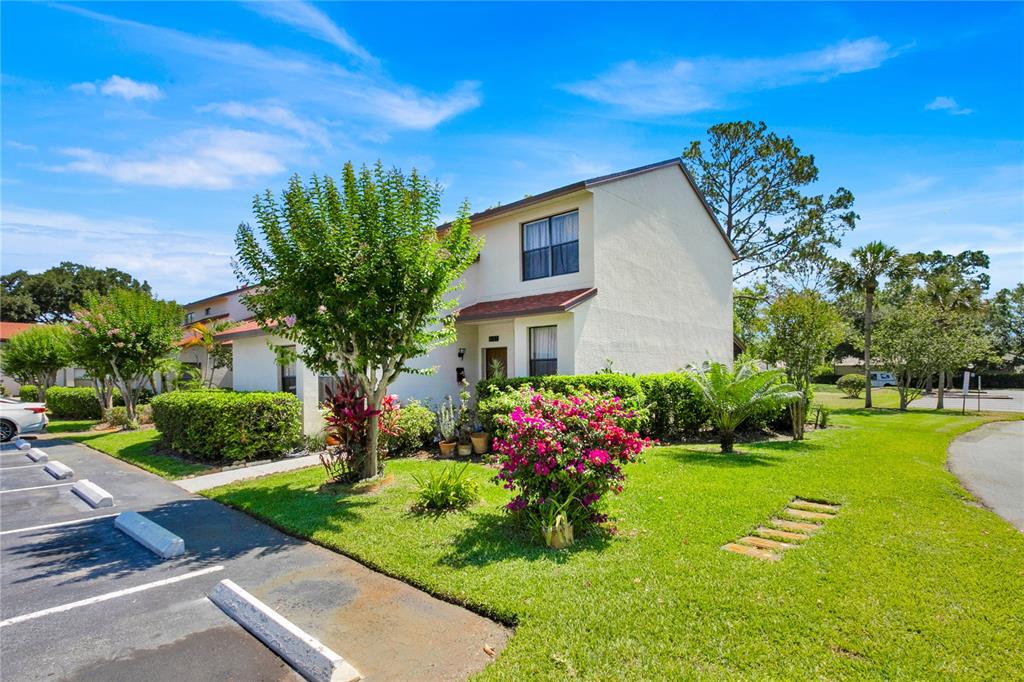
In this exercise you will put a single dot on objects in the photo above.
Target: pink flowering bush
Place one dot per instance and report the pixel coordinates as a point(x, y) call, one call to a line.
point(562, 454)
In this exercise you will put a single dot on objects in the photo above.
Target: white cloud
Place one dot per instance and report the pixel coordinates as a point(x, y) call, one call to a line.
point(271, 114)
point(364, 96)
point(35, 239)
point(311, 21)
point(685, 86)
point(14, 144)
point(947, 104)
point(197, 159)
point(119, 86)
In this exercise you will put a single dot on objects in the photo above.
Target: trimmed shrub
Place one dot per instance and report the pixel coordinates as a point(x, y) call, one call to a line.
point(219, 425)
point(622, 385)
point(415, 427)
point(826, 378)
point(675, 406)
point(118, 416)
point(28, 393)
point(73, 402)
point(852, 384)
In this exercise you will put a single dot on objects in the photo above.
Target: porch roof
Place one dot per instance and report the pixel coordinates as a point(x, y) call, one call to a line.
point(557, 302)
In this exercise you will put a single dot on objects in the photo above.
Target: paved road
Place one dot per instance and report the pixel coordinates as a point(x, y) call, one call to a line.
point(170, 630)
point(992, 400)
point(989, 461)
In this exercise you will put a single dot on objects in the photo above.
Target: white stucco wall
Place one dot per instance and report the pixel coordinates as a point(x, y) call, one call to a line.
point(664, 279)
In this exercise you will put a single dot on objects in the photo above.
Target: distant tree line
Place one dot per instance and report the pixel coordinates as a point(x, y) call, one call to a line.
point(53, 295)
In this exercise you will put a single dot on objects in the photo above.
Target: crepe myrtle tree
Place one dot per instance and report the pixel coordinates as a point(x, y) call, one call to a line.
point(132, 332)
point(358, 275)
point(36, 354)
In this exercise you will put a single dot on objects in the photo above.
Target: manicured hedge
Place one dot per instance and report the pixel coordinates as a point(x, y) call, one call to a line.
point(28, 393)
point(219, 425)
point(73, 402)
point(416, 424)
point(622, 385)
point(675, 405)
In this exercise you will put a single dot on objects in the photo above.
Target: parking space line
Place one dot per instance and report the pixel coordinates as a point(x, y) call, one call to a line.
point(109, 595)
point(57, 525)
point(36, 487)
point(23, 466)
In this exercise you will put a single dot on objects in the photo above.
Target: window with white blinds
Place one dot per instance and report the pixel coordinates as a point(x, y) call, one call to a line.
point(551, 246)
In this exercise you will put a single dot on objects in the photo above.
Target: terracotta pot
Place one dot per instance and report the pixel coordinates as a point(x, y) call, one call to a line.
point(447, 448)
point(481, 439)
point(559, 536)
point(465, 449)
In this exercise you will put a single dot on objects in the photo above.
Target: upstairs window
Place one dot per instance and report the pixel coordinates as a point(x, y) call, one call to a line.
point(543, 351)
point(551, 246)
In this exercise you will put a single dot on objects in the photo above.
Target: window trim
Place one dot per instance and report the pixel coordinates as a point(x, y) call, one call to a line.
point(529, 350)
point(550, 247)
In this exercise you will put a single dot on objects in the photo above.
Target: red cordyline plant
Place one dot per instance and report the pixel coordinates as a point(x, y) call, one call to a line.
point(348, 415)
point(562, 454)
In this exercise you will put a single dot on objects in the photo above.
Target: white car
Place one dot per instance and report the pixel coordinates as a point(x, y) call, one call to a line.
point(17, 418)
point(879, 379)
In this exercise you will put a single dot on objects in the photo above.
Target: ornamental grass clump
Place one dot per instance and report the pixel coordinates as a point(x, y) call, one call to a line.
point(561, 455)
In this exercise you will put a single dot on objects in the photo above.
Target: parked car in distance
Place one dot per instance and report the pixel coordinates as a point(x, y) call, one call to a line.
point(879, 379)
point(17, 418)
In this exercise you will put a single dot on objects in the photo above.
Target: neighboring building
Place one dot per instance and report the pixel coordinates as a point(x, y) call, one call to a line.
point(69, 376)
point(225, 307)
point(630, 268)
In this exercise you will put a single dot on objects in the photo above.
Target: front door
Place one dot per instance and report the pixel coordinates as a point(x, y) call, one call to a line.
point(495, 362)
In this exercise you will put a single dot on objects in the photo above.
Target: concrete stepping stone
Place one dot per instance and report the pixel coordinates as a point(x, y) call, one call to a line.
point(807, 505)
point(783, 535)
point(747, 550)
point(795, 526)
point(764, 543)
point(808, 515)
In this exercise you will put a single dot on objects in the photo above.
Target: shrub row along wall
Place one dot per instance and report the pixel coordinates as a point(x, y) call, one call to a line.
point(73, 402)
point(218, 425)
point(673, 404)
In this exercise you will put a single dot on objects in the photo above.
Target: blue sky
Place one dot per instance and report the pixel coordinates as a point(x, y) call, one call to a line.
point(135, 134)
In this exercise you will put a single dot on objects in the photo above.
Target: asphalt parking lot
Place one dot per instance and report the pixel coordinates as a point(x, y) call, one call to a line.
point(83, 601)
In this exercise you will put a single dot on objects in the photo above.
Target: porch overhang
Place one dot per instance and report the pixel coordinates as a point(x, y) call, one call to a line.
point(539, 304)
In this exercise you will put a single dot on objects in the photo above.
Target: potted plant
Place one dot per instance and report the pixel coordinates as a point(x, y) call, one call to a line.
point(559, 534)
point(481, 441)
point(447, 427)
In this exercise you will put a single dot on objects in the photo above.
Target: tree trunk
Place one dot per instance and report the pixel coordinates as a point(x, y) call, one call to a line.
point(942, 390)
point(372, 435)
point(126, 393)
point(904, 389)
point(869, 310)
point(727, 438)
point(798, 415)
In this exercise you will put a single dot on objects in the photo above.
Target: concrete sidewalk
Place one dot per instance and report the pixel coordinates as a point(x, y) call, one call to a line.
point(989, 461)
point(208, 481)
point(385, 628)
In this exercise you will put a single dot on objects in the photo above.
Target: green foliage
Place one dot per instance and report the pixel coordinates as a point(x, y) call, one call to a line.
point(228, 425)
point(1006, 323)
point(748, 316)
point(131, 332)
point(53, 294)
point(675, 405)
point(622, 385)
point(447, 421)
point(358, 276)
point(203, 335)
point(493, 410)
point(733, 396)
point(36, 354)
point(803, 328)
point(852, 384)
point(415, 425)
point(28, 393)
point(72, 402)
point(118, 416)
point(754, 181)
point(449, 489)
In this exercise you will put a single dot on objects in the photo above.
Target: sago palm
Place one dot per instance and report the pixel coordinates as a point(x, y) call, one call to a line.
point(860, 275)
point(733, 396)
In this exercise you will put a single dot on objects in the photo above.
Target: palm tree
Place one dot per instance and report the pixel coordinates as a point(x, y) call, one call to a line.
point(203, 335)
point(860, 275)
point(733, 396)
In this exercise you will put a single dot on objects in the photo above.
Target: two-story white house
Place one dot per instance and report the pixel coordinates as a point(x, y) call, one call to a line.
point(223, 307)
point(630, 268)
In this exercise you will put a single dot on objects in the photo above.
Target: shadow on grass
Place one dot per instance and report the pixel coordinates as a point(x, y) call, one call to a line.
point(306, 510)
point(718, 459)
point(497, 537)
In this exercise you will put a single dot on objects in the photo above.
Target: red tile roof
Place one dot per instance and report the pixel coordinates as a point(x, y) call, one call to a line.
point(9, 329)
point(558, 302)
point(243, 327)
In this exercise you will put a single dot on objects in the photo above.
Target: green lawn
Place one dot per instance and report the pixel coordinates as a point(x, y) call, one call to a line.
point(137, 447)
point(832, 398)
point(70, 425)
point(911, 580)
